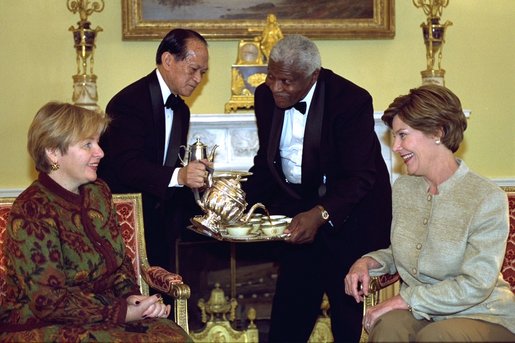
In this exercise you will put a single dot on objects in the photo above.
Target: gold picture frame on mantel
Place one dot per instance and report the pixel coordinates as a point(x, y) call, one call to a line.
point(343, 19)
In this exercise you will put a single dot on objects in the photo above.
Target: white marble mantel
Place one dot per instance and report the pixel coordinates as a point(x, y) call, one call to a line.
point(236, 136)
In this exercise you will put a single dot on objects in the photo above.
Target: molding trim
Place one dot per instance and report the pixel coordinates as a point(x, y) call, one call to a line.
point(6, 193)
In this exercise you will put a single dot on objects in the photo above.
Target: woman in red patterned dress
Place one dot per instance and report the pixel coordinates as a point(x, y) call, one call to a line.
point(68, 276)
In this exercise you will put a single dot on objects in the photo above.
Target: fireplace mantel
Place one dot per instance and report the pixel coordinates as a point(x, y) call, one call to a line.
point(237, 138)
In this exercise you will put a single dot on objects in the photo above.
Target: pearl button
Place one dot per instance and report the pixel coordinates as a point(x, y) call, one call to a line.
point(419, 246)
point(429, 197)
point(414, 271)
point(425, 221)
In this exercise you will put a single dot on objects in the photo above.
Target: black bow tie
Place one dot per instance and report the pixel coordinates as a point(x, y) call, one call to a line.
point(300, 106)
point(173, 101)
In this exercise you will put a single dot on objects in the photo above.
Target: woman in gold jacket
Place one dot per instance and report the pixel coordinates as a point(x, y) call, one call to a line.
point(448, 235)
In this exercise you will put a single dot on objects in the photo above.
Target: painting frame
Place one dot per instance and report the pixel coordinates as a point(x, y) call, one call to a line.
point(380, 26)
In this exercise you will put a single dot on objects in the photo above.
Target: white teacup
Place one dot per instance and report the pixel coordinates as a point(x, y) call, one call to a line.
point(255, 223)
point(238, 230)
point(273, 230)
point(272, 218)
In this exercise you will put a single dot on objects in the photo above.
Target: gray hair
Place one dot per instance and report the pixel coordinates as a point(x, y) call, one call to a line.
point(299, 51)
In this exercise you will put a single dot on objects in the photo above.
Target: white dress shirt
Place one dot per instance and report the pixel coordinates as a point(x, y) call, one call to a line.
point(292, 140)
point(165, 92)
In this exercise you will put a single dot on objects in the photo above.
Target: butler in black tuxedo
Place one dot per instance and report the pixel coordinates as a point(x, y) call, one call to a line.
point(149, 123)
point(324, 168)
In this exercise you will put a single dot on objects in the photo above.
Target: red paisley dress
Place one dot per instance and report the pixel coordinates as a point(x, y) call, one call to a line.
point(68, 275)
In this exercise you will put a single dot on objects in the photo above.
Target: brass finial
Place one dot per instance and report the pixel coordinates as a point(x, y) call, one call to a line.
point(432, 8)
point(434, 38)
point(84, 86)
point(84, 8)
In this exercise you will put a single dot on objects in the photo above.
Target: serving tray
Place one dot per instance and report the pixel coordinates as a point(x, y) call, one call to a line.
point(222, 236)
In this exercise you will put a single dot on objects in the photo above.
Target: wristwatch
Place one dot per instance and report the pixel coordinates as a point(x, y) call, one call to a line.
point(323, 212)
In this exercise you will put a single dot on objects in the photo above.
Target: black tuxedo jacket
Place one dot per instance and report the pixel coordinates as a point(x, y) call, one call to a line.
point(133, 163)
point(342, 166)
point(134, 142)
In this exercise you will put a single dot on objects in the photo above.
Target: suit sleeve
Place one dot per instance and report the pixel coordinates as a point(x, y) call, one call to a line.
point(355, 152)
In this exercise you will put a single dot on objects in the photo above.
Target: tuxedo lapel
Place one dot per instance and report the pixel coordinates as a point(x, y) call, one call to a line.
point(275, 135)
point(175, 137)
point(312, 136)
point(158, 114)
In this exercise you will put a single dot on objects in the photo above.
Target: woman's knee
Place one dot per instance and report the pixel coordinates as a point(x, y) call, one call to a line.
point(463, 330)
point(395, 326)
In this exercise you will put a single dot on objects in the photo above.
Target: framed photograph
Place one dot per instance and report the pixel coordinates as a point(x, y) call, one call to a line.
point(231, 19)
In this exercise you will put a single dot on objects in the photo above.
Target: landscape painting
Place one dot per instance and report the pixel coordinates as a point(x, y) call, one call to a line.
point(232, 19)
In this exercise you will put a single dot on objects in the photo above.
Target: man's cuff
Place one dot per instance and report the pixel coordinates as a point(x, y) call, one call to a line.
point(174, 181)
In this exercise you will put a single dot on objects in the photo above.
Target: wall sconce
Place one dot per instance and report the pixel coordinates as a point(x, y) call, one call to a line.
point(434, 39)
point(84, 82)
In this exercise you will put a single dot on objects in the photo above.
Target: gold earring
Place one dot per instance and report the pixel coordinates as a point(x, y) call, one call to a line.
point(54, 166)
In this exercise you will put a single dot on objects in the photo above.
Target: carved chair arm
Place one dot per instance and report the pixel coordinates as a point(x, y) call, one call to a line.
point(164, 281)
point(376, 284)
point(379, 282)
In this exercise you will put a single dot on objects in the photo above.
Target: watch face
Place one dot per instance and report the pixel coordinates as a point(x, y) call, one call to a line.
point(249, 52)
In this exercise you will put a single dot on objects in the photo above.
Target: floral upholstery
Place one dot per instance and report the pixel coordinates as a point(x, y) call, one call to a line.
point(130, 218)
point(5, 208)
point(508, 267)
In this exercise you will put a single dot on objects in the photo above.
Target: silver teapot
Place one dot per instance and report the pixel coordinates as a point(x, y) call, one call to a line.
point(224, 203)
point(196, 152)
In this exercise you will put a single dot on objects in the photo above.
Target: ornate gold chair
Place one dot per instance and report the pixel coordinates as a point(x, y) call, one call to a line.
point(388, 285)
point(130, 217)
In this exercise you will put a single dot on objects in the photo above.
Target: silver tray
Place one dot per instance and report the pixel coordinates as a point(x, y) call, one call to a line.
point(252, 238)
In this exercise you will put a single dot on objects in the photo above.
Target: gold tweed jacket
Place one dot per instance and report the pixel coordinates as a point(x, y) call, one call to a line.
point(448, 248)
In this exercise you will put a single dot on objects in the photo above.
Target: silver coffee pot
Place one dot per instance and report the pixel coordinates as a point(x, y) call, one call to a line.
point(224, 203)
point(197, 152)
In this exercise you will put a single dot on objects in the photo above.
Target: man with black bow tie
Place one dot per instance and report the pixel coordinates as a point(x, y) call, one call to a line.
point(149, 123)
point(324, 168)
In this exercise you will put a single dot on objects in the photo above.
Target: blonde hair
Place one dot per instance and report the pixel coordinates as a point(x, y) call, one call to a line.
point(57, 126)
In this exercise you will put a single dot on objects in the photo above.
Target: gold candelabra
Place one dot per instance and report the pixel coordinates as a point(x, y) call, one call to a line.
point(84, 82)
point(434, 39)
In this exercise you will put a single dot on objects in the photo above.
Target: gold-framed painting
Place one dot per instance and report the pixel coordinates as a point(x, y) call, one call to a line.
point(230, 19)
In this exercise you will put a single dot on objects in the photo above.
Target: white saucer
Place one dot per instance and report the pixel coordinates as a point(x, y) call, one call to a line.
point(244, 237)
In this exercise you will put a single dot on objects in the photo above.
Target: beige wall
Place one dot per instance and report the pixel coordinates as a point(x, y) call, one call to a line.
point(37, 61)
